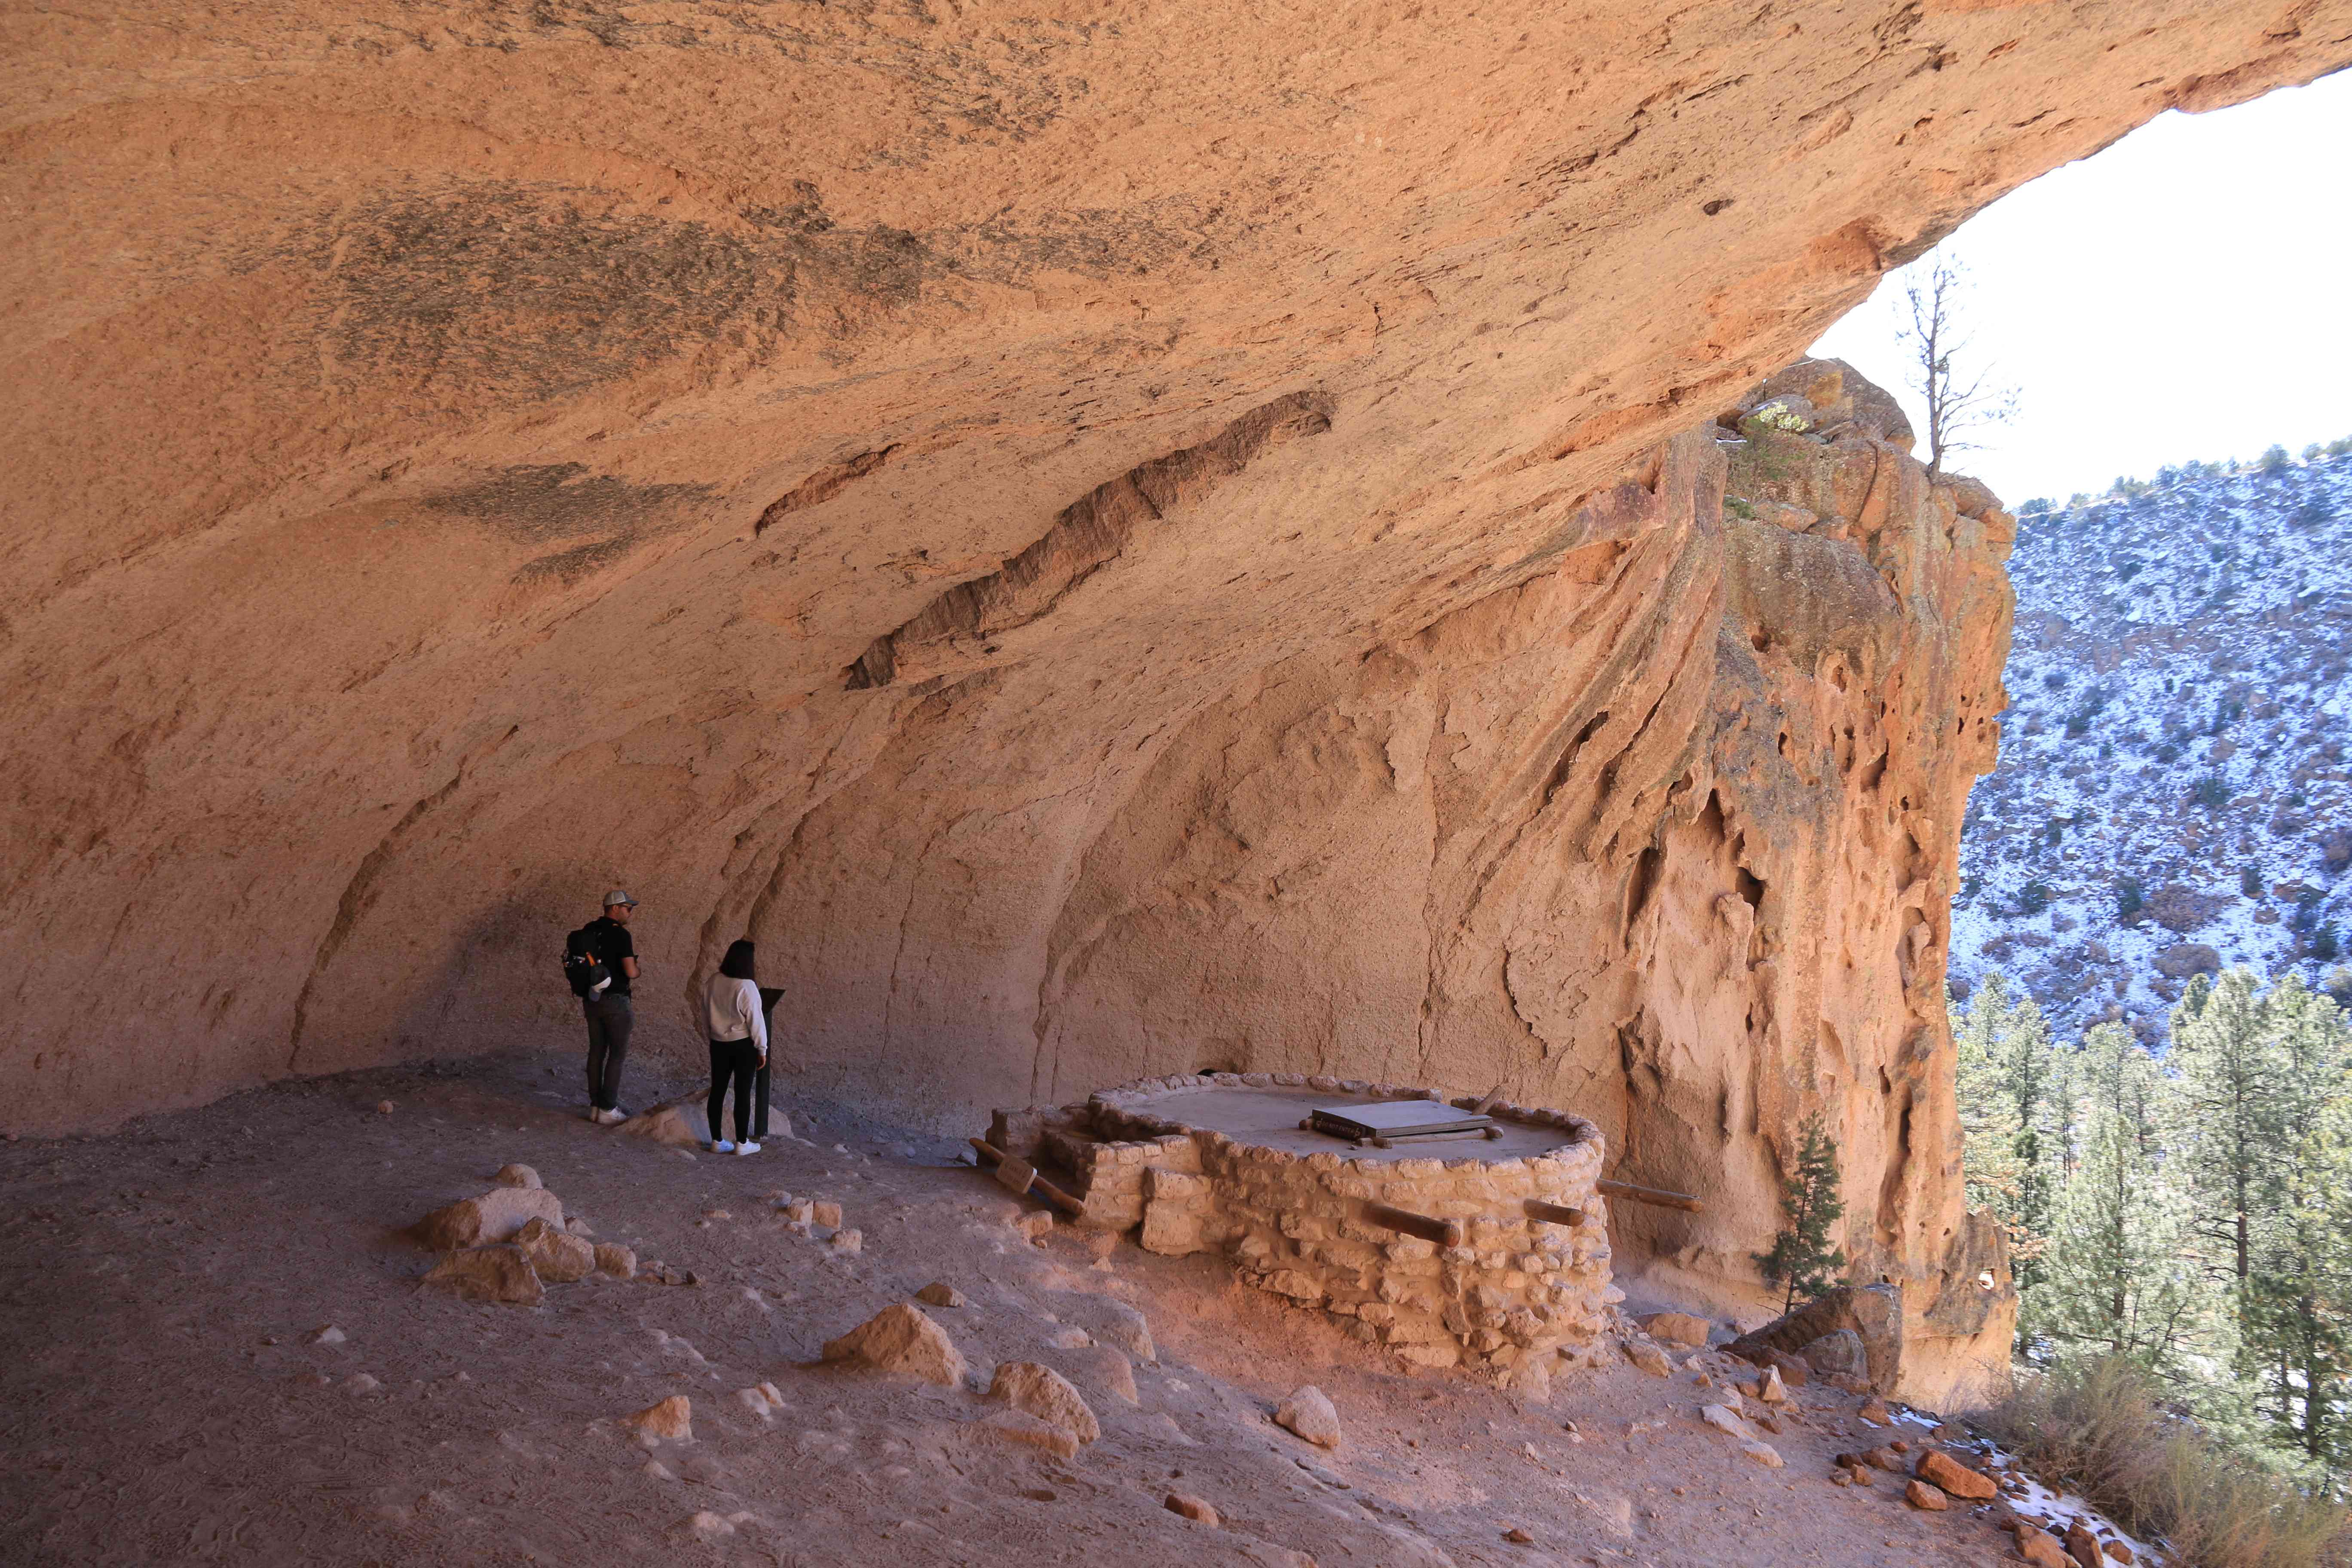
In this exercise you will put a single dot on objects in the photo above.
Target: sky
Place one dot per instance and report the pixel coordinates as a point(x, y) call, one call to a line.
point(2186, 294)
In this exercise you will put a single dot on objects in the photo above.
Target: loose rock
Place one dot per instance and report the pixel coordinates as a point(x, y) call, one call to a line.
point(1308, 1413)
point(2083, 1546)
point(495, 1273)
point(1018, 1427)
point(671, 1420)
point(328, 1335)
point(1035, 1226)
point(613, 1258)
point(1678, 1329)
point(361, 1382)
point(1518, 1537)
point(558, 1257)
point(846, 1242)
point(1197, 1510)
point(1920, 1495)
point(1943, 1471)
point(1874, 1411)
point(827, 1215)
point(1645, 1354)
point(941, 1294)
point(513, 1176)
point(1048, 1395)
point(2040, 1548)
point(902, 1339)
point(494, 1216)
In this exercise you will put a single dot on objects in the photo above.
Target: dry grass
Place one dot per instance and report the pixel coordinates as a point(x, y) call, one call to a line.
point(2097, 1429)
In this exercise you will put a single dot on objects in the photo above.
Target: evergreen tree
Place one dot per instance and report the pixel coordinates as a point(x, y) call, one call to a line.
point(2117, 1280)
point(2009, 1119)
point(1802, 1256)
point(2228, 1128)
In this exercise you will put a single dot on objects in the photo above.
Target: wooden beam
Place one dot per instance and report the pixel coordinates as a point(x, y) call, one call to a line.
point(1036, 1185)
point(1443, 1232)
point(1552, 1214)
point(1658, 1195)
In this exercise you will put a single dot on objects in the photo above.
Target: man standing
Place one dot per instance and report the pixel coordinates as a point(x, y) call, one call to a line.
point(610, 1014)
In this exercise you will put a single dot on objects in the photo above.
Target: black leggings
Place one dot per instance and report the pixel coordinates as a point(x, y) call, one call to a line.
point(732, 1061)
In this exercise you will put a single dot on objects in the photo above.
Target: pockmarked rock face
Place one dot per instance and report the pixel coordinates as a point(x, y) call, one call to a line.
point(1109, 543)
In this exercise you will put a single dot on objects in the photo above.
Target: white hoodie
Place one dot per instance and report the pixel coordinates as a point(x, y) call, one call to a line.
point(730, 1011)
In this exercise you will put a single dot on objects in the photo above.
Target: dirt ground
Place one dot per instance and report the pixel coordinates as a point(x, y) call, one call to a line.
point(167, 1403)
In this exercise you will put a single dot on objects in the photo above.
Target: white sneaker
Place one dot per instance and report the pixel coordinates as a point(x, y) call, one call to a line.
point(724, 1146)
point(747, 1148)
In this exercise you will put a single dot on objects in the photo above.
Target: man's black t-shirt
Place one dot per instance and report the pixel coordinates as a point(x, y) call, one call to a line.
point(608, 939)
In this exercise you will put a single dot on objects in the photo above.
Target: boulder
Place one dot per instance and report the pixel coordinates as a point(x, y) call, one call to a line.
point(1834, 1355)
point(2083, 1546)
point(558, 1257)
point(1198, 1509)
point(613, 1258)
point(2183, 959)
point(1308, 1412)
point(940, 1294)
point(1678, 1329)
point(1921, 1495)
point(1793, 1370)
point(1108, 1371)
point(493, 1217)
point(518, 1176)
point(904, 1340)
point(1873, 1312)
point(1046, 1395)
point(669, 1420)
point(680, 1122)
point(501, 1272)
point(1942, 1470)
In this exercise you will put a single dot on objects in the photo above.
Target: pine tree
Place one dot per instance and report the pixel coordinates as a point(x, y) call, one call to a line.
point(2227, 1108)
point(1802, 1256)
point(2296, 1303)
point(2011, 1122)
point(2117, 1280)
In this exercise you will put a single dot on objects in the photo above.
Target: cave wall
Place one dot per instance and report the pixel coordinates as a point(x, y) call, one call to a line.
point(1097, 532)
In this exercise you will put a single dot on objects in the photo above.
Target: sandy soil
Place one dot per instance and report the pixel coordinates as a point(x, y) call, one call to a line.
point(167, 1403)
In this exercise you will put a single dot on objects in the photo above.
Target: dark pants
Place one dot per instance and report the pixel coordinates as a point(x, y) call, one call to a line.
point(610, 1018)
point(736, 1062)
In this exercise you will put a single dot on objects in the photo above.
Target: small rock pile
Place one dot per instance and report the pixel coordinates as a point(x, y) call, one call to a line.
point(509, 1243)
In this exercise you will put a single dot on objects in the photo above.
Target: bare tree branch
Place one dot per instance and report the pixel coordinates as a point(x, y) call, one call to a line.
point(1956, 404)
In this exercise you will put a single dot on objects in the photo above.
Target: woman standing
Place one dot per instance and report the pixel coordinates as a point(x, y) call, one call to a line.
point(737, 1027)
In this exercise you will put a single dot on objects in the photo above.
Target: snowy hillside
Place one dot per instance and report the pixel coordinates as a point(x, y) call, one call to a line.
point(2173, 791)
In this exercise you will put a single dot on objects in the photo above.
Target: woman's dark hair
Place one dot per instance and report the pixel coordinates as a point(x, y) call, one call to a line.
point(737, 964)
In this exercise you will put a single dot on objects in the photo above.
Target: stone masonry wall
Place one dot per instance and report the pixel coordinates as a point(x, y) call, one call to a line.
point(1514, 1300)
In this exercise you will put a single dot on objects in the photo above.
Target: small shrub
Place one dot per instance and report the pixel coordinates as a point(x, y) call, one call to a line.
point(2038, 507)
point(2272, 459)
point(2097, 1427)
point(2322, 944)
point(2250, 881)
point(2339, 985)
point(2211, 791)
point(2033, 897)
point(2131, 899)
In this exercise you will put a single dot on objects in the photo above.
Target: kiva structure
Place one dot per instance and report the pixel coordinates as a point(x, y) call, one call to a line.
point(1487, 1254)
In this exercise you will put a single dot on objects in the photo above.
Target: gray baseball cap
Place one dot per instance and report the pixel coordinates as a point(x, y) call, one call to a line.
point(618, 896)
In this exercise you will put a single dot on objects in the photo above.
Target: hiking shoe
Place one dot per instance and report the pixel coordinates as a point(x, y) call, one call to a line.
point(747, 1148)
point(724, 1146)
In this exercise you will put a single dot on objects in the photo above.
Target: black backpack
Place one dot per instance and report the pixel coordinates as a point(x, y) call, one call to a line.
point(583, 970)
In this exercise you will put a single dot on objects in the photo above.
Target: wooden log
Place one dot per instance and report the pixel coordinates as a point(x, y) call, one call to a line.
point(1443, 1232)
point(1553, 1213)
point(1037, 1185)
point(1658, 1195)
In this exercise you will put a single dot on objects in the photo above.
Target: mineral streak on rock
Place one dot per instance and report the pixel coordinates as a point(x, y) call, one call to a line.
point(456, 459)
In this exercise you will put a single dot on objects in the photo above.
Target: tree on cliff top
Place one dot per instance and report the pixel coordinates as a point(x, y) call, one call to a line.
point(1801, 1258)
point(1958, 400)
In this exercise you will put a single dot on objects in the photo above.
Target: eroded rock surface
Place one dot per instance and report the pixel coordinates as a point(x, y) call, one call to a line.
point(1109, 544)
